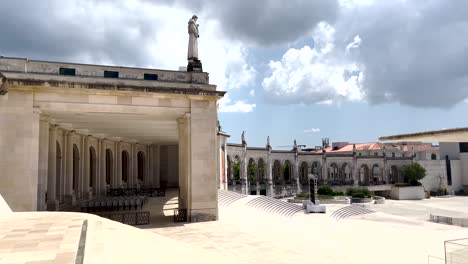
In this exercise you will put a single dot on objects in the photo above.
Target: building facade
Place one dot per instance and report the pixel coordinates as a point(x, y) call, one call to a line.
point(69, 131)
point(375, 166)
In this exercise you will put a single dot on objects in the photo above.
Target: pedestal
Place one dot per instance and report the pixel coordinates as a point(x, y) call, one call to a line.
point(194, 65)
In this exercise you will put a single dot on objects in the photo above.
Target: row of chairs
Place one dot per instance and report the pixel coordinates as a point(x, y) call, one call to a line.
point(143, 191)
point(114, 204)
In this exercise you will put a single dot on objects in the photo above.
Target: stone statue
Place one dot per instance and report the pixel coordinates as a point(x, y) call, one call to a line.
point(268, 141)
point(193, 38)
point(295, 144)
point(243, 138)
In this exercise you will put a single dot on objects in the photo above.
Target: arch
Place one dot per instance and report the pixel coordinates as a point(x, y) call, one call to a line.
point(376, 174)
point(236, 168)
point(261, 169)
point(109, 166)
point(433, 156)
point(303, 173)
point(346, 171)
point(58, 169)
point(141, 166)
point(364, 174)
point(333, 172)
point(125, 166)
point(287, 171)
point(251, 170)
point(92, 167)
point(316, 169)
point(277, 172)
point(229, 168)
point(394, 174)
point(76, 168)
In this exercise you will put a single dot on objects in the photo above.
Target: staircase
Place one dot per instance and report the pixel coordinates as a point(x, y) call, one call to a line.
point(225, 198)
point(274, 206)
point(349, 211)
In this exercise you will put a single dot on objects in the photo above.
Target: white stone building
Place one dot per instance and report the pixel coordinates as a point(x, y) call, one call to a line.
point(375, 166)
point(69, 131)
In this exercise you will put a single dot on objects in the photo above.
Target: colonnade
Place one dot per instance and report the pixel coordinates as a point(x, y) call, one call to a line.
point(77, 166)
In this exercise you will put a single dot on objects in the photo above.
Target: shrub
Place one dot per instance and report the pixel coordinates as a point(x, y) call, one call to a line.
point(414, 173)
point(338, 193)
point(401, 184)
point(359, 195)
point(363, 191)
point(325, 190)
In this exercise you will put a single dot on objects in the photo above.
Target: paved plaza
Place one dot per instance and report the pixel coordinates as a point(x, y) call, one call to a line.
point(395, 232)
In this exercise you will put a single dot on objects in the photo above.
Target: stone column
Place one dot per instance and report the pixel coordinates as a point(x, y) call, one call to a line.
point(296, 173)
point(86, 172)
point(52, 203)
point(69, 168)
point(43, 156)
point(243, 171)
point(355, 170)
point(183, 170)
point(156, 159)
point(102, 167)
point(269, 174)
point(116, 181)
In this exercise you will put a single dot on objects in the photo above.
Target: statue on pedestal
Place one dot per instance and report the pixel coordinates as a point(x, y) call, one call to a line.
point(194, 64)
point(243, 138)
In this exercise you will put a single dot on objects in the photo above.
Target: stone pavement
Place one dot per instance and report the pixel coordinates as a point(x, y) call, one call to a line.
point(251, 236)
point(39, 237)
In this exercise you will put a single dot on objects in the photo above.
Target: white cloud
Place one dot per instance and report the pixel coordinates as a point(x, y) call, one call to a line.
point(314, 75)
point(252, 92)
point(226, 105)
point(312, 130)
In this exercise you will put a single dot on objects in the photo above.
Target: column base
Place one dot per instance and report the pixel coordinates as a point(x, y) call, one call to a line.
point(202, 215)
point(52, 205)
point(70, 199)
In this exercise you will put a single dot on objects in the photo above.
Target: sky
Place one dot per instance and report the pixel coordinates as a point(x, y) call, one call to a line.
point(347, 70)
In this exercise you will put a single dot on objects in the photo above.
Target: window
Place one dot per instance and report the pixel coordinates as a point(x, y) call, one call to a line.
point(376, 154)
point(111, 74)
point(360, 154)
point(151, 77)
point(464, 147)
point(67, 71)
point(433, 156)
point(393, 154)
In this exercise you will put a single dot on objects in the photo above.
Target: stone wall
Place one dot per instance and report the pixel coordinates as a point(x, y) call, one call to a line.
point(436, 172)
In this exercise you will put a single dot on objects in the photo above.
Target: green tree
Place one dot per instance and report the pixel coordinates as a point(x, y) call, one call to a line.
point(413, 173)
point(236, 168)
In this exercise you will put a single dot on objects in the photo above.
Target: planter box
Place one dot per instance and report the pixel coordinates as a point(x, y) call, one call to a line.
point(361, 200)
point(408, 193)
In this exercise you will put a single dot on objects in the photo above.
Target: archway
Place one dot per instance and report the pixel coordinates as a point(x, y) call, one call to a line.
point(261, 170)
point(229, 168)
point(140, 166)
point(333, 172)
point(394, 175)
point(277, 172)
point(376, 174)
point(316, 170)
point(287, 172)
point(346, 173)
point(364, 174)
point(125, 166)
point(109, 167)
point(92, 169)
point(236, 169)
point(433, 156)
point(76, 170)
point(303, 177)
point(251, 171)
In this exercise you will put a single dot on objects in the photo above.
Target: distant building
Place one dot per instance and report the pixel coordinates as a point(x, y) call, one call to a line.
point(343, 165)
